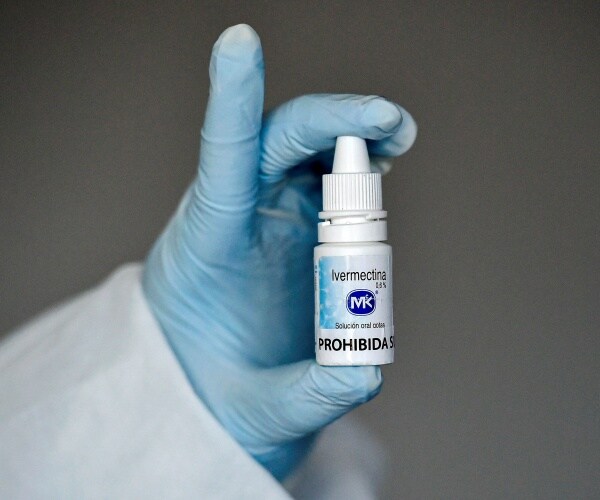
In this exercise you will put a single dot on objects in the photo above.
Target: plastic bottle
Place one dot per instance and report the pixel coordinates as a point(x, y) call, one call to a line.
point(353, 268)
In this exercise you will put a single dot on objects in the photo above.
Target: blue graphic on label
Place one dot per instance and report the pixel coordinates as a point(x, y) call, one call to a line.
point(360, 302)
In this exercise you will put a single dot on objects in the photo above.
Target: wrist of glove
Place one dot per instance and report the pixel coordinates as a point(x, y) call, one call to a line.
point(230, 279)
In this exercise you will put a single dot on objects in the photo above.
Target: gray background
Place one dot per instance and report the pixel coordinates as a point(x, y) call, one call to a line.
point(494, 215)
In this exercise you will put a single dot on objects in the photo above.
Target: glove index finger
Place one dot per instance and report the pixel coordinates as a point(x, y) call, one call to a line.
point(225, 191)
point(308, 125)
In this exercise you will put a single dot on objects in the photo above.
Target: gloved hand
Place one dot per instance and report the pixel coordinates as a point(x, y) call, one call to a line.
point(231, 281)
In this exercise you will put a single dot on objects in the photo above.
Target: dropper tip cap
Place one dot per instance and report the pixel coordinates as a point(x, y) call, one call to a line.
point(351, 156)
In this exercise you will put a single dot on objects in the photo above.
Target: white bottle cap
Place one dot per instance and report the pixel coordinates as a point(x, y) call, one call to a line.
point(351, 185)
point(352, 196)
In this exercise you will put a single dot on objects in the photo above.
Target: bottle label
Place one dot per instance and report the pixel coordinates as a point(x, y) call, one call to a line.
point(354, 310)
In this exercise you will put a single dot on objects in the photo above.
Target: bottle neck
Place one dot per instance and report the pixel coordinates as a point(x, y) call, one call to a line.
point(352, 227)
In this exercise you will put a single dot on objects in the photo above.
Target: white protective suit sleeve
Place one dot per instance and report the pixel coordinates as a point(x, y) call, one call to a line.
point(93, 404)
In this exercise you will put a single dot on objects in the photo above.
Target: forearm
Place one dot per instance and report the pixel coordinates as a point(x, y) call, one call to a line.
point(95, 404)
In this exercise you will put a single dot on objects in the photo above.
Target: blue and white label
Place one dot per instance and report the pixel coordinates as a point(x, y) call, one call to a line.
point(353, 314)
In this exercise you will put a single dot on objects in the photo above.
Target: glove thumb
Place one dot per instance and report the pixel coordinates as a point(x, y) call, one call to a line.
point(299, 399)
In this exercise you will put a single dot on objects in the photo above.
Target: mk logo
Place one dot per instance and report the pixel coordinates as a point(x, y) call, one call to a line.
point(360, 302)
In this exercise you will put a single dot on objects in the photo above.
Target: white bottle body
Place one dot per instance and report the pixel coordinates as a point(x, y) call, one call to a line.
point(353, 304)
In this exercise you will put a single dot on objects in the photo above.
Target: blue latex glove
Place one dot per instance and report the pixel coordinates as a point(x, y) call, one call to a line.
point(230, 280)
